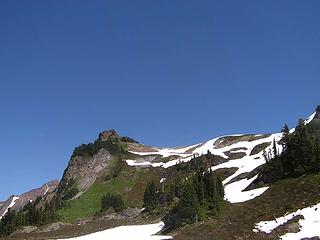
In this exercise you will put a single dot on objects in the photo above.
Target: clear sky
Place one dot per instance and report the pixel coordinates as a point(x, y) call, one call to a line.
point(166, 73)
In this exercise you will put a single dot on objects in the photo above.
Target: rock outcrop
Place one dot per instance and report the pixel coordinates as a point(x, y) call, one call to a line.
point(84, 170)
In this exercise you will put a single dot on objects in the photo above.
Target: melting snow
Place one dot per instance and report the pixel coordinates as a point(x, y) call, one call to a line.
point(13, 202)
point(166, 152)
point(138, 232)
point(134, 163)
point(309, 119)
point(234, 191)
point(47, 189)
point(309, 226)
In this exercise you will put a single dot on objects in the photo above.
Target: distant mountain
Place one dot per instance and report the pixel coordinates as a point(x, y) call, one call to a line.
point(18, 202)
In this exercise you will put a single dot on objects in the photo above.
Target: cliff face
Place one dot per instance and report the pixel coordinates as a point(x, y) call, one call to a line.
point(88, 163)
point(84, 170)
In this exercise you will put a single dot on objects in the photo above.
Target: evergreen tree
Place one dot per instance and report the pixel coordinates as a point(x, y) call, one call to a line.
point(151, 197)
point(187, 209)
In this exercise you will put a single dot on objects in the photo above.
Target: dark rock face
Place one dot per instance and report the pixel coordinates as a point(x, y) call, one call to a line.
point(103, 136)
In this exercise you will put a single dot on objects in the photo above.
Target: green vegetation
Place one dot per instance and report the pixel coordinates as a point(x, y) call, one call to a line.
point(197, 196)
point(128, 139)
point(29, 215)
point(113, 145)
point(112, 201)
point(191, 195)
point(89, 202)
point(300, 155)
point(129, 184)
point(238, 220)
point(151, 197)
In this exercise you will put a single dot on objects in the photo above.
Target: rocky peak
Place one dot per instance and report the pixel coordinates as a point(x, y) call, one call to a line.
point(105, 135)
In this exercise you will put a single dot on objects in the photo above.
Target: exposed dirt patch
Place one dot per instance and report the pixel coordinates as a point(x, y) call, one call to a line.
point(229, 140)
point(226, 172)
point(259, 148)
point(235, 155)
point(136, 147)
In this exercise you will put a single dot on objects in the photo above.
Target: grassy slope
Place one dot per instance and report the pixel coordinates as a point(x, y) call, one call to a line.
point(130, 184)
point(237, 221)
point(89, 203)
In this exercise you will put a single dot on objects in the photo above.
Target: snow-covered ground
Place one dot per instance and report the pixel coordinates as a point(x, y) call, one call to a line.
point(309, 225)
point(13, 202)
point(233, 191)
point(202, 149)
point(135, 232)
point(166, 152)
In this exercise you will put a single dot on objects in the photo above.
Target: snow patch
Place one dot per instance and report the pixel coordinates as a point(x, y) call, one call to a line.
point(309, 119)
point(13, 202)
point(203, 149)
point(247, 163)
point(133, 163)
point(167, 152)
point(309, 226)
point(138, 232)
point(234, 191)
point(47, 189)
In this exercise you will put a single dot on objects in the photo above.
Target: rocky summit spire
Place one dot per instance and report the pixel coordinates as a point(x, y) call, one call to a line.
point(103, 136)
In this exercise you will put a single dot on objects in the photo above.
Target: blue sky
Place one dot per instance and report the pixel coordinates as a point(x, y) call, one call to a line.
point(166, 73)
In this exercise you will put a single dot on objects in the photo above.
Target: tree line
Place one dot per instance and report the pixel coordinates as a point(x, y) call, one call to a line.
point(192, 195)
point(300, 154)
point(29, 215)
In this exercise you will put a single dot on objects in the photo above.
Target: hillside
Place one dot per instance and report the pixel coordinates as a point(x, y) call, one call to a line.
point(119, 167)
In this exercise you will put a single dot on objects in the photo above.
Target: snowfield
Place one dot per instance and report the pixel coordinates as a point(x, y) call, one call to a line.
point(309, 225)
point(137, 232)
point(233, 191)
point(13, 202)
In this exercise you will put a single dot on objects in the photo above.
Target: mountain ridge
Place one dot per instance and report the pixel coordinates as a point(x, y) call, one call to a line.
point(17, 202)
point(92, 166)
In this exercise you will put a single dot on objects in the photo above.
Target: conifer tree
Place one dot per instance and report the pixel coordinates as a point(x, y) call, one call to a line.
point(151, 196)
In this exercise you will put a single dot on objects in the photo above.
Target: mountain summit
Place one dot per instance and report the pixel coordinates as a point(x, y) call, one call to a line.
point(105, 135)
